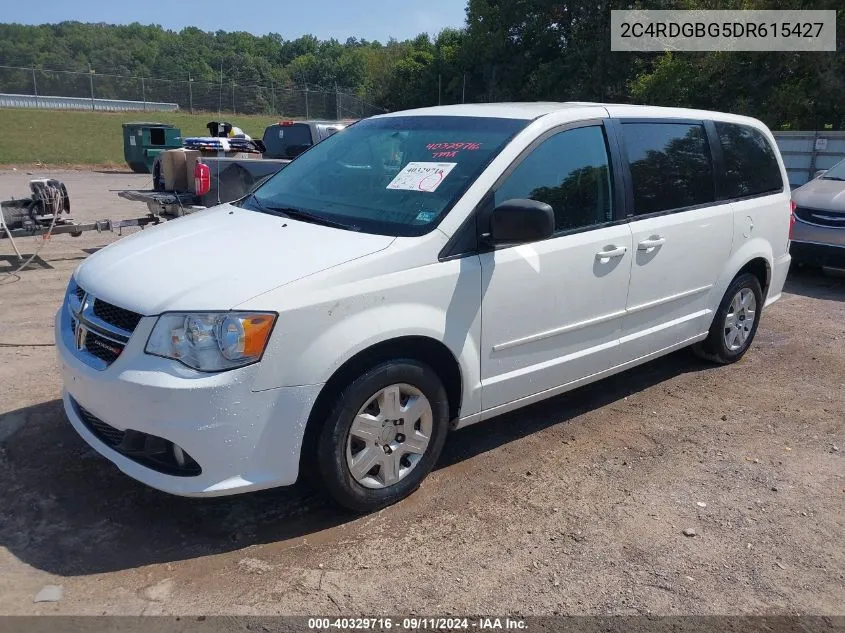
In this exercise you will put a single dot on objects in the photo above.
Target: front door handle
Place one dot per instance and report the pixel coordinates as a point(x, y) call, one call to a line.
point(652, 242)
point(611, 251)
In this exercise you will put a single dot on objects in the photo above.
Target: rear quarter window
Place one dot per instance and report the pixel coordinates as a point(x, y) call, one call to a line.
point(670, 165)
point(751, 165)
point(287, 141)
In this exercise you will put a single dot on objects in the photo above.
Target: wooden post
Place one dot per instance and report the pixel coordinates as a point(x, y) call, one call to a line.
point(35, 87)
point(191, 93)
point(91, 82)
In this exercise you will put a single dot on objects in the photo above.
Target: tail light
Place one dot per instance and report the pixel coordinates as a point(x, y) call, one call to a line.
point(202, 179)
point(286, 123)
point(792, 206)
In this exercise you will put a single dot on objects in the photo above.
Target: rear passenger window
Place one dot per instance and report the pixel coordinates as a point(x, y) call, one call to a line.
point(751, 166)
point(570, 172)
point(670, 166)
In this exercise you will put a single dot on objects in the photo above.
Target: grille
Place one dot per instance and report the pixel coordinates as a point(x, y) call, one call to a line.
point(102, 348)
point(118, 317)
point(99, 330)
point(148, 450)
point(103, 431)
point(833, 219)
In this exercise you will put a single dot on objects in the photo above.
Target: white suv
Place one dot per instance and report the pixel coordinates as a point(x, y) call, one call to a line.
point(420, 271)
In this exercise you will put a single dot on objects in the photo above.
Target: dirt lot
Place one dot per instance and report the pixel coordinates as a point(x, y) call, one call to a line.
point(576, 505)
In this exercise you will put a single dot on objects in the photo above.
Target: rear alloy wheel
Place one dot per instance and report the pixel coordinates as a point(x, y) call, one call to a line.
point(384, 435)
point(735, 322)
point(739, 319)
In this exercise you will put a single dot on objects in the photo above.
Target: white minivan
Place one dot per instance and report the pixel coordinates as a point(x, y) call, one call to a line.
point(419, 272)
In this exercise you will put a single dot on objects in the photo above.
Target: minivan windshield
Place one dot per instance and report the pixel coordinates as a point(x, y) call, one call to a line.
point(837, 172)
point(391, 176)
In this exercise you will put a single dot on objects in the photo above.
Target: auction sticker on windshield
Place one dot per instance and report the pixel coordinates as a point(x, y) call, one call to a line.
point(418, 176)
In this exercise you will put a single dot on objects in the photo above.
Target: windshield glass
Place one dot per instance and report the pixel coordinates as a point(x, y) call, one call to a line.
point(837, 172)
point(392, 176)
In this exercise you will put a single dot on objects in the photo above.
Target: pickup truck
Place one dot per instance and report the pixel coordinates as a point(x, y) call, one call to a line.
point(217, 180)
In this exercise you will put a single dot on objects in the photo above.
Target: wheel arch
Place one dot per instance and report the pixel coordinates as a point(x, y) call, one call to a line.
point(754, 256)
point(425, 349)
point(760, 268)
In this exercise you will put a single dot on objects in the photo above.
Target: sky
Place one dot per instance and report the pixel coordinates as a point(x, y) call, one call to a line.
point(340, 19)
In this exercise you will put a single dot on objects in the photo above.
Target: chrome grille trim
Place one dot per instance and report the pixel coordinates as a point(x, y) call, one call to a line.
point(81, 321)
point(820, 217)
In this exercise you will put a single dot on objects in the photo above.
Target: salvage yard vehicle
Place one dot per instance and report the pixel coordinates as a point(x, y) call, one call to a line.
point(818, 235)
point(330, 324)
point(217, 179)
point(213, 181)
point(288, 139)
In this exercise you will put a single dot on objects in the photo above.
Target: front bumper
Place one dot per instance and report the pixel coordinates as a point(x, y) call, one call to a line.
point(818, 254)
point(243, 440)
point(817, 244)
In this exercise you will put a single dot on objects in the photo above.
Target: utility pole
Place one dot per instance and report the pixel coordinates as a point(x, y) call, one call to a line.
point(306, 102)
point(439, 88)
point(220, 101)
point(337, 100)
point(464, 90)
point(191, 93)
point(144, 94)
point(233, 96)
point(35, 87)
point(91, 82)
point(273, 96)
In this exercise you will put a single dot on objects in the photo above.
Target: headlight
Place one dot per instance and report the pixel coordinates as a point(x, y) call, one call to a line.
point(211, 341)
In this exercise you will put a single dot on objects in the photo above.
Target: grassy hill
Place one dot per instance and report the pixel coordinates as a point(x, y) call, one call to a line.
point(63, 138)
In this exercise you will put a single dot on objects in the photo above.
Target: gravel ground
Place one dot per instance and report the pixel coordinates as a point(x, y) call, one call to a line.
point(577, 505)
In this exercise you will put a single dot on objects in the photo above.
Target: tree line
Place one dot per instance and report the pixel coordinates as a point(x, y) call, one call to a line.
point(506, 50)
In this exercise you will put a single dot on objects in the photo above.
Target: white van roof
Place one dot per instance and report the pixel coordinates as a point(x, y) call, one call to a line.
point(534, 109)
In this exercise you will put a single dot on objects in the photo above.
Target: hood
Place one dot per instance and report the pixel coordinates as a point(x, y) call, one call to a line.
point(827, 195)
point(216, 259)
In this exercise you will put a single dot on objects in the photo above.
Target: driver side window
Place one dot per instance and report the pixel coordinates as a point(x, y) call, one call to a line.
point(570, 171)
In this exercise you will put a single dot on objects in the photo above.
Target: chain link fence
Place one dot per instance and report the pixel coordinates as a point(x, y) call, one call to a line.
point(188, 95)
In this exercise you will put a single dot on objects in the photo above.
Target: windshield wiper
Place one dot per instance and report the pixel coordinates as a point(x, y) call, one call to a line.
point(832, 178)
point(299, 214)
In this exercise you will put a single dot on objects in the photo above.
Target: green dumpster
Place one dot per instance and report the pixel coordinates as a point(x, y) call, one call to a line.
point(142, 142)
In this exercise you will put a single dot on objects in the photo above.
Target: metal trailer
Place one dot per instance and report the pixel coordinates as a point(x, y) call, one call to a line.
point(46, 211)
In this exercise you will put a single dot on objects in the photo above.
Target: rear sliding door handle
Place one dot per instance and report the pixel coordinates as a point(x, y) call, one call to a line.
point(651, 242)
point(612, 251)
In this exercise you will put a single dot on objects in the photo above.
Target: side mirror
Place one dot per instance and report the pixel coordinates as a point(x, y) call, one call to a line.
point(521, 220)
point(819, 173)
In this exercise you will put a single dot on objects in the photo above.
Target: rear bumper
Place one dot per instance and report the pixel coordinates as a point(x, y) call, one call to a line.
point(780, 268)
point(818, 254)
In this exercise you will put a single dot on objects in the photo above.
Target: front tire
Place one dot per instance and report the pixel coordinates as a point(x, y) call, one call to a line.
point(384, 435)
point(735, 322)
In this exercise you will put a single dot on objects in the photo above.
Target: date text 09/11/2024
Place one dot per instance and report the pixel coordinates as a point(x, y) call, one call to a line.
point(416, 623)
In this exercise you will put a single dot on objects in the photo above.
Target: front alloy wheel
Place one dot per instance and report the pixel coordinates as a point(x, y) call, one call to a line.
point(389, 436)
point(384, 435)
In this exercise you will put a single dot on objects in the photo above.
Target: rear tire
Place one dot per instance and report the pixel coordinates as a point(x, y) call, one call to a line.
point(735, 322)
point(383, 436)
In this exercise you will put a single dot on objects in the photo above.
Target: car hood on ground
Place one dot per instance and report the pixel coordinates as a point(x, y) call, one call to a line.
point(828, 195)
point(216, 259)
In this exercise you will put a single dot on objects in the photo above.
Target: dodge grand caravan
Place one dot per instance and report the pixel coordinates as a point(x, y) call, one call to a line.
point(423, 271)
